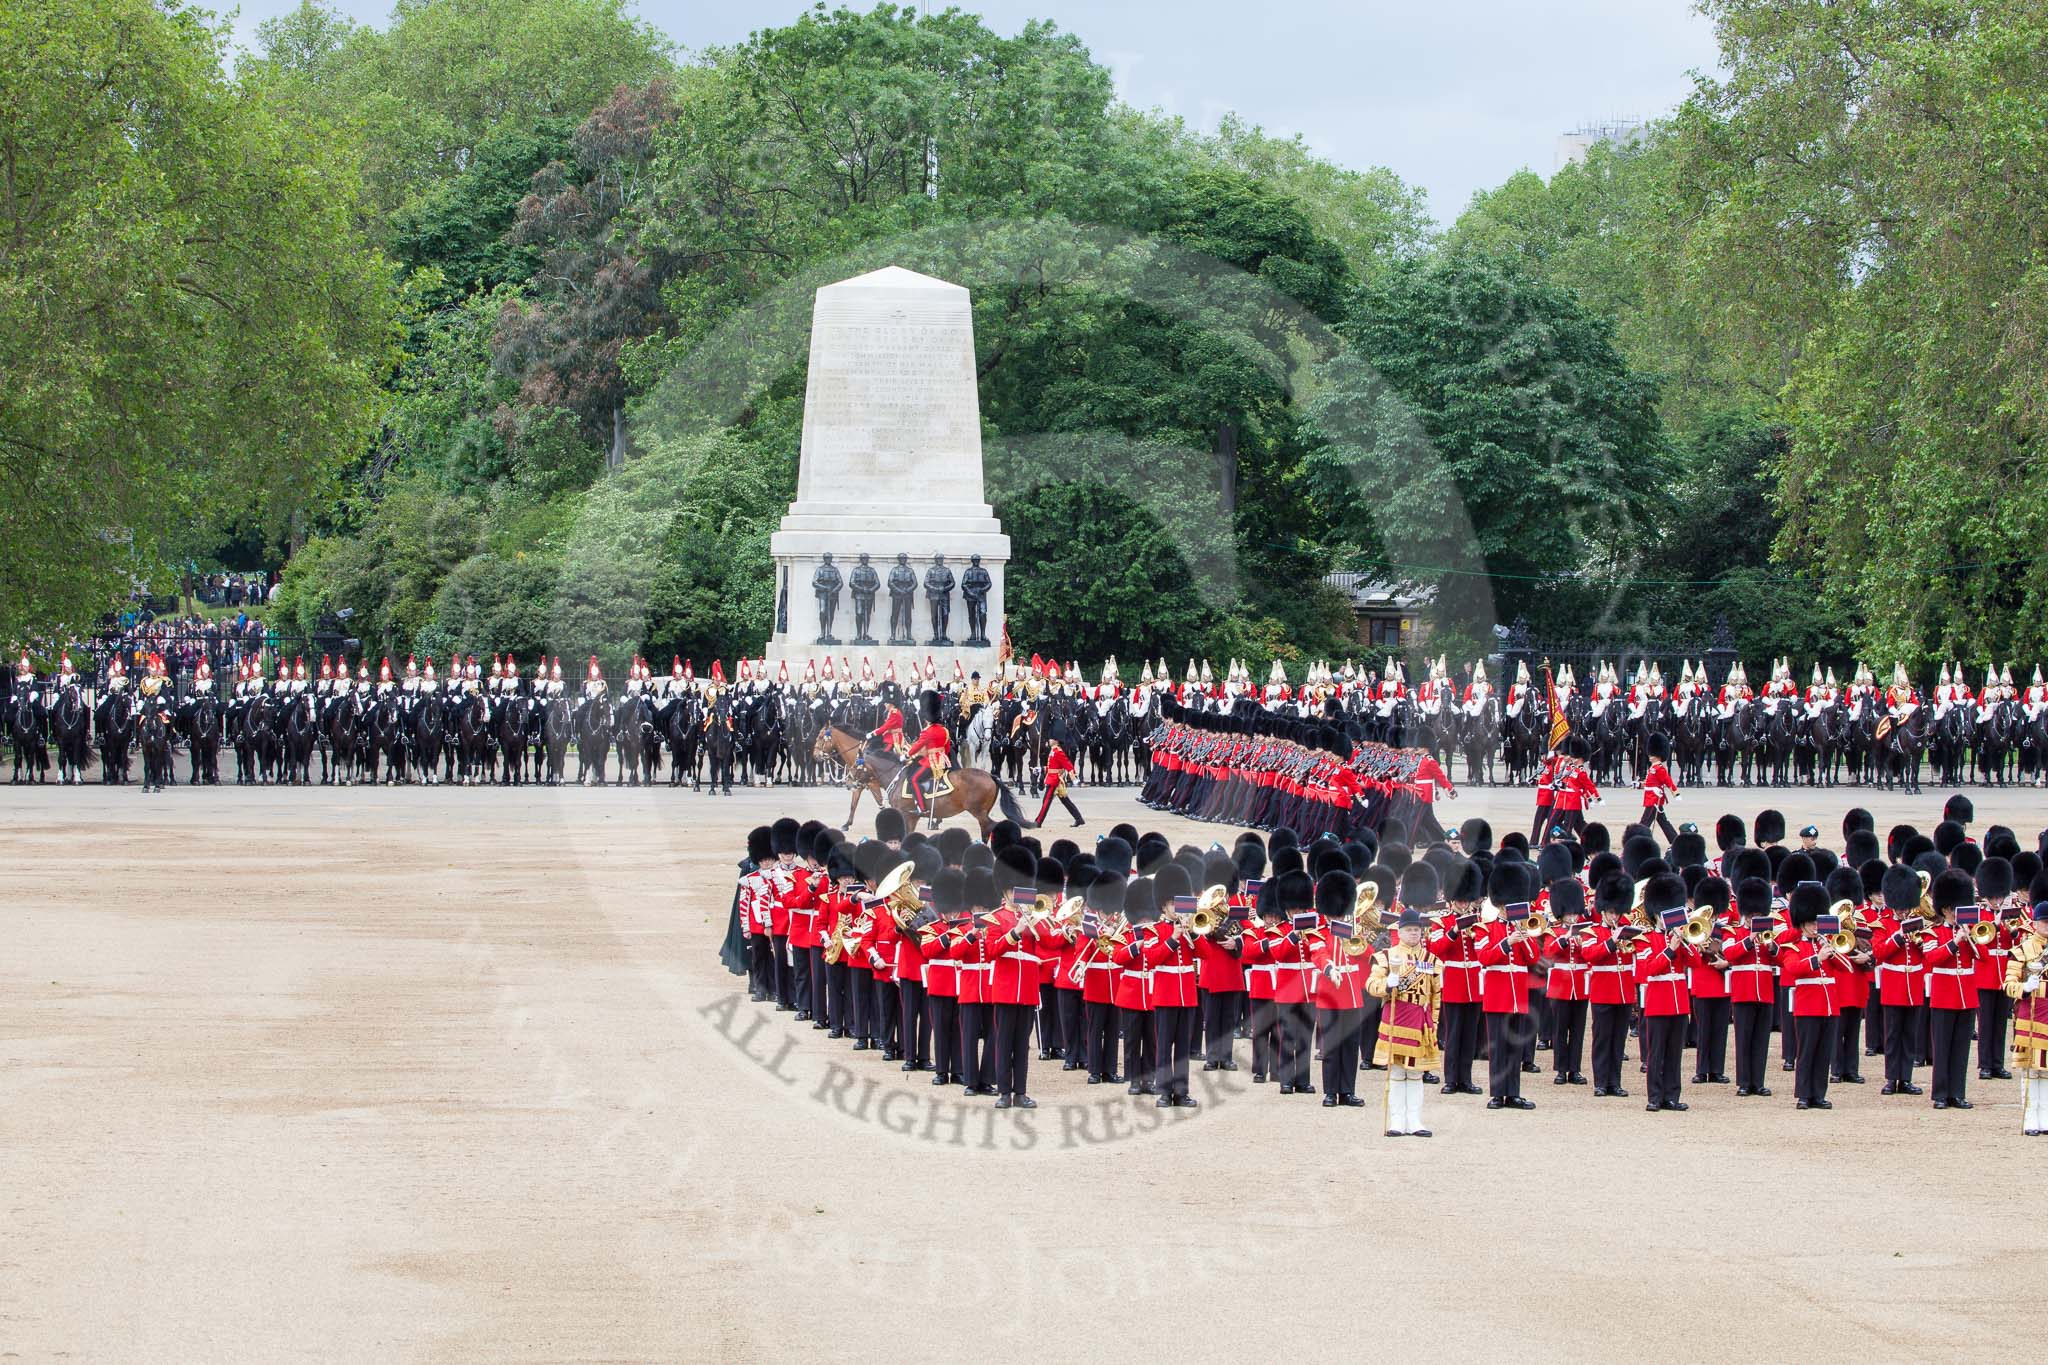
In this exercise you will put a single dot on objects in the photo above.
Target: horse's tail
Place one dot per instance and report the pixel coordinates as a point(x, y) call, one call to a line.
point(1011, 810)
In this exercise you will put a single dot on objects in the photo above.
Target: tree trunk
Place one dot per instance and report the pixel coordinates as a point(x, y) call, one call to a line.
point(615, 458)
point(1226, 467)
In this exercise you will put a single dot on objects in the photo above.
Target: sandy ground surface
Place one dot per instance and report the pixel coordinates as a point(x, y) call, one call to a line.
point(455, 1075)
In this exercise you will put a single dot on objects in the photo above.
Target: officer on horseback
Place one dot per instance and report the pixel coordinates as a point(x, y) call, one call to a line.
point(933, 751)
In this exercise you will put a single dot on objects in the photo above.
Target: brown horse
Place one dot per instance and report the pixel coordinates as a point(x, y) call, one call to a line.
point(868, 770)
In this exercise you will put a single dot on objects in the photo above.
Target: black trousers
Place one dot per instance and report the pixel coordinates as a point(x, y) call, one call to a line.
point(1368, 1031)
point(1265, 1028)
point(1901, 1027)
point(1949, 1050)
point(1297, 1039)
point(1752, 1042)
point(1505, 1035)
point(1013, 1049)
point(1568, 1036)
point(1663, 1054)
point(945, 1014)
point(1540, 831)
point(785, 977)
point(1873, 1024)
point(917, 1029)
point(816, 993)
point(886, 1018)
point(1073, 1028)
point(1173, 1042)
point(1136, 1026)
point(976, 1064)
point(760, 966)
point(1816, 1034)
point(1610, 1043)
point(1221, 1010)
point(1050, 1039)
point(841, 978)
point(1339, 1032)
point(1848, 1060)
point(1572, 822)
point(1709, 1036)
point(1994, 1011)
point(1101, 1038)
point(1663, 821)
point(1461, 1027)
point(800, 978)
point(860, 1004)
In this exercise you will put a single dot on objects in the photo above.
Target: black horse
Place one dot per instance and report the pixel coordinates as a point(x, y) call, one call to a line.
point(71, 728)
point(25, 727)
point(154, 733)
point(114, 723)
point(301, 737)
point(593, 740)
point(202, 737)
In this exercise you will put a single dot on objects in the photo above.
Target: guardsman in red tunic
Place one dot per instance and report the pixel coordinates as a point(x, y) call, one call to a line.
point(1220, 970)
point(1807, 965)
point(1994, 893)
point(1708, 985)
point(1952, 986)
point(754, 911)
point(1016, 938)
point(1059, 769)
point(1546, 796)
point(1506, 953)
point(1339, 977)
point(941, 945)
point(2026, 985)
point(1575, 790)
point(888, 736)
point(1134, 985)
point(1751, 954)
point(1609, 950)
point(1261, 983)
point(1452, 945)
point(806, 944)
point(1661, 975)
point(1294, 896)
point(1897, 944)
point(1097, 975)
point(1568, 978)
point(1169, 954)
point(1659, 787)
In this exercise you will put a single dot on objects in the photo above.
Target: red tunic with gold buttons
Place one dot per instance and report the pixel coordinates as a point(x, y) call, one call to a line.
point(1504, 970)
point(1952, 969)
point(1169, 954)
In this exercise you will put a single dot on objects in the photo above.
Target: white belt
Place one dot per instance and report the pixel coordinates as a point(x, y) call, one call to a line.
point(1953, 971)
point(1174, 970)
point(1572, 967)
point(1749, 967)
point(1616, 969)
point(1814, 981)
point(1460, 962)
point(1484, 970)
point(1665, 976)
point(1908, 968)
point(977, 966)
point(1096, 966)
point(1033, 958)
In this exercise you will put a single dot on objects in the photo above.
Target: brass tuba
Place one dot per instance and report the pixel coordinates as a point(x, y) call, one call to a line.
point(1365, 911)
point(1699, 928)
point(1212, 912)
point(899, 895)
point(1984, 933)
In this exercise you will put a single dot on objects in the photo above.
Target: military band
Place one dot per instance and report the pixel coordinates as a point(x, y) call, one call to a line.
point(1133, 960)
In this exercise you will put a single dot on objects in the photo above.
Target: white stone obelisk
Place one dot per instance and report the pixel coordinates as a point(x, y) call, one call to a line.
point(891, 464)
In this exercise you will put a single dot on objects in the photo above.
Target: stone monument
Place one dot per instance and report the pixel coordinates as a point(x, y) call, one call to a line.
point(891, 472)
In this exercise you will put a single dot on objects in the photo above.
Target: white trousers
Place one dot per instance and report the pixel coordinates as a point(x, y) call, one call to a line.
point(1404, 1099)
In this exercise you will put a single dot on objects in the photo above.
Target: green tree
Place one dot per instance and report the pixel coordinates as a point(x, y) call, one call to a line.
point(191, 326)
point(1484, 439)
point(1859, 230)
point(459, 226)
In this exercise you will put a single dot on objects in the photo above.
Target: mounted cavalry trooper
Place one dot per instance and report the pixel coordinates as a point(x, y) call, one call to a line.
point(1821, 691)
point(1606, 686)
point(1646, 691)
point(410, 684)
point(1780, 688)
point(1429, 698)
point(1734, 692)
point(1277, 690)
point(1997, 691)
point(1393, 687)
point(1862, 690)
point(1518, 690)
point(1478, 692)
point(1950, 691)
point(1900, 698)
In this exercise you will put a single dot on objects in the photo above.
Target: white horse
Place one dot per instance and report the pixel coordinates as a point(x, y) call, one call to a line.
point(976, 738)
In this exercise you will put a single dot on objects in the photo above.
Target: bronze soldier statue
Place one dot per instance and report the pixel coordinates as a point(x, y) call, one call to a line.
point(975, 584)
point(938, 593)
point(825, 583)
point(865, 583)
point(902, 590)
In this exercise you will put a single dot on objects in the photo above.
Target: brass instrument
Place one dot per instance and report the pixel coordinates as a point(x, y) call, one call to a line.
point(1843, 940)
point(1115, 928)
point(1699, 928)
point(1983, 933)
point(1211, 914)
point(901, 898)
point(1365, 911)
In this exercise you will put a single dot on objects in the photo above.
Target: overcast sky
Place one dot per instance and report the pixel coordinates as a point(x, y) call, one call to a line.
point(1455, 96)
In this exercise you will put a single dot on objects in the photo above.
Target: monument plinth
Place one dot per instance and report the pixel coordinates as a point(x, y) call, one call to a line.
point(890, 470)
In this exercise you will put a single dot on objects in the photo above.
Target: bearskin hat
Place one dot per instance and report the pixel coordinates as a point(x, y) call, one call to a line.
point(760, 845)
point(1336, 894)
point(1420, 886)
